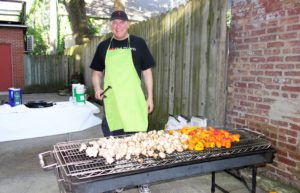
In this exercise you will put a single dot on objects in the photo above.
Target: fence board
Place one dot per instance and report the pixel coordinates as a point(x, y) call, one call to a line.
point(190, 41)
point(187, 61)
point(203, 55)
point(47, 73)
point(179, 61)
point(172, 47)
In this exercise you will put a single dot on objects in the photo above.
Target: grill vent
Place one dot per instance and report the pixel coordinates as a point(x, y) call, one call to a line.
point(30, 43)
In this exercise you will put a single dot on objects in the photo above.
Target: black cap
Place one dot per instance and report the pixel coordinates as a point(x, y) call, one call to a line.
point(119, 15)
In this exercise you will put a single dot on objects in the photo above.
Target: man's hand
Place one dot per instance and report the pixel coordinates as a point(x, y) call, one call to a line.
point(149, 86)
point(150, 105)
point(98, 94)
point(96, 80)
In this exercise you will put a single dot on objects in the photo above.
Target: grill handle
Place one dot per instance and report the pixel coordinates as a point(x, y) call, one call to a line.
point(254, 132)
point(42, 162)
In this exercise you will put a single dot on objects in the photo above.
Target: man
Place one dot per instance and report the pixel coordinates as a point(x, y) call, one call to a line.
point(123, 59)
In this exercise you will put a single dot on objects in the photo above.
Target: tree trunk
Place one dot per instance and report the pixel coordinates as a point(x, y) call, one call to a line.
point(119, 5)
point(78, 20)
point(53, 26)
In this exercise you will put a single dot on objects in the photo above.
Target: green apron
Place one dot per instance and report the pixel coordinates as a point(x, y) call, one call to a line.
point(125, 104)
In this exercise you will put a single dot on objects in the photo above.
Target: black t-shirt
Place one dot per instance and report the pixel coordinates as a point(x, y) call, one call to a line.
point(141, 55)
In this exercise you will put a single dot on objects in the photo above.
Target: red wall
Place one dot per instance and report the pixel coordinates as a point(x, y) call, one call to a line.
point(264, 78)
point(15, 37)
point(5, 67)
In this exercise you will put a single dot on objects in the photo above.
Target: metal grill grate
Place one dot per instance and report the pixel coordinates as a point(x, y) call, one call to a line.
point(77, 164)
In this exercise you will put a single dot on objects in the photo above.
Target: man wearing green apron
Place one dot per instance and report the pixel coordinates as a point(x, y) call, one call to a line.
point(122, 60)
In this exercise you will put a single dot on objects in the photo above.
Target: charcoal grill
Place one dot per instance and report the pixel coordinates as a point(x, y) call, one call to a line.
point(78, 173)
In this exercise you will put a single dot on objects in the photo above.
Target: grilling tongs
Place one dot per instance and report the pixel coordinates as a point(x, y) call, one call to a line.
point(101, 101)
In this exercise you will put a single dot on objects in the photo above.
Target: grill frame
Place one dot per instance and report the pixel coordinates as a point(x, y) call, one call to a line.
point(107, 183)
point(252, 150)
point(76, 164)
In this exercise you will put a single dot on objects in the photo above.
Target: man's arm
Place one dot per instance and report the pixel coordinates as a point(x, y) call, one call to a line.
point(96, 81)
point(148, 78)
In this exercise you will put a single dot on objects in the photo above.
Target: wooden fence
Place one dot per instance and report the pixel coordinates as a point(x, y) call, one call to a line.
point(189, 47)
point(47, 73)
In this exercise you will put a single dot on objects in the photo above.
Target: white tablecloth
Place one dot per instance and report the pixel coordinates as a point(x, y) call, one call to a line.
point(21, 122)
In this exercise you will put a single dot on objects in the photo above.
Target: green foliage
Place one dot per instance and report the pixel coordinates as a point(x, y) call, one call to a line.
point(38, 25)
point(61, 38)
point(40, 46)
point(60, 45)
point(228, 18)
point(38, 22)
point(64, 27)
point(92, 25)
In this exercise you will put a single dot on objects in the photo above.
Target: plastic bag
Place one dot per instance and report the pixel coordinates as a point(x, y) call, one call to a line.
point(175, 123)
point(198, 122)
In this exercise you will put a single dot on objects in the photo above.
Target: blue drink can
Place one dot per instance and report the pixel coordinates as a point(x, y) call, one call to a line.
point(15, 96)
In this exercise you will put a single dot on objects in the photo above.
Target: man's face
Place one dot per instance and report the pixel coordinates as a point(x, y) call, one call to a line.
point(120, 28)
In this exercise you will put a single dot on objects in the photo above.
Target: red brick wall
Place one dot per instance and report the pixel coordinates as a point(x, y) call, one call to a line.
point(15, 37)
point(264, 78)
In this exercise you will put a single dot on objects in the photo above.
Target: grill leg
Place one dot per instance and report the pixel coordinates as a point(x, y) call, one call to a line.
point(213, 182)
point(254, 171)
point(214, 185)
point(253, 188)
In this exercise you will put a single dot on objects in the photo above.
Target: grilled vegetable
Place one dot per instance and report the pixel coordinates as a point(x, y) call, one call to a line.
point(199, 138)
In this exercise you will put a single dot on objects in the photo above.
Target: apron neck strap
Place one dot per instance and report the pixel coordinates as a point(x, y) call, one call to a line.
point(110, 42)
